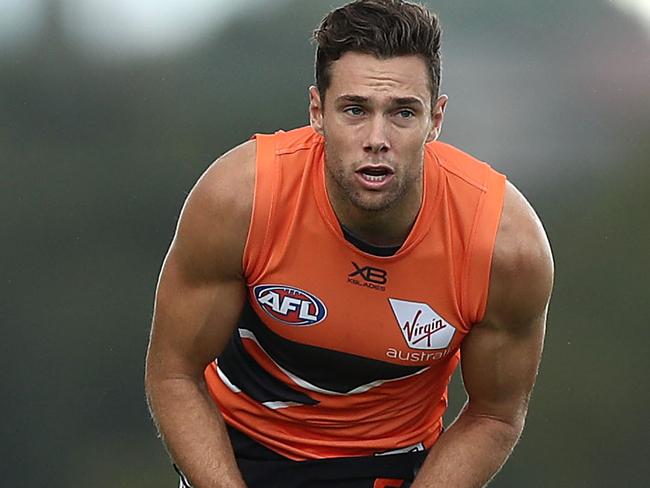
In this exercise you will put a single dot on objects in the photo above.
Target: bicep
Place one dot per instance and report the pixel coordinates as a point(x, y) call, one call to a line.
point(201, 289)
point(193, 319)
point(499, 367)
point(501, 355)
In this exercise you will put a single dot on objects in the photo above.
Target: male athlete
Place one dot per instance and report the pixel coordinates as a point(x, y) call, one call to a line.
point(324, 282)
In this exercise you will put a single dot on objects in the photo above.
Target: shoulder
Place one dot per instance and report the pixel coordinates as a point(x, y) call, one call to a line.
point(462, 166)
point(227, 184)
point(522, 271)
point(214, 222)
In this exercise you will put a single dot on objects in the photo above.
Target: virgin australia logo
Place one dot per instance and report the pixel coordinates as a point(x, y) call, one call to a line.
point(421, 326)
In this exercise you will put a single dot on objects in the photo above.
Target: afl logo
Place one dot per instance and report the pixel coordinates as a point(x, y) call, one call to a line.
point(290, 305)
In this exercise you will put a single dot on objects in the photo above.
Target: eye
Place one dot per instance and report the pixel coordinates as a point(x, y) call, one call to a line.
point(354, 111)
point(405, 113)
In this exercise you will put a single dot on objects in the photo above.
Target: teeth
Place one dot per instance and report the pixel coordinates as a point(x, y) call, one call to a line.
point(373, 178)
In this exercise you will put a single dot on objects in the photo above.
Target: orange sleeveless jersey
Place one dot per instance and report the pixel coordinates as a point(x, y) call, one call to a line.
point(343, 353)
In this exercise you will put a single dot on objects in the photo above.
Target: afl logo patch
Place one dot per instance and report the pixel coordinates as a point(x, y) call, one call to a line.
point(289, 305)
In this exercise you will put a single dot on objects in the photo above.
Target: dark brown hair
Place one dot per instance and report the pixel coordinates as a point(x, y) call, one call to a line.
point(383, 28)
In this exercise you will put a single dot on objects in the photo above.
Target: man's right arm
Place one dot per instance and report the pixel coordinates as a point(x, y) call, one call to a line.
point(199, 297)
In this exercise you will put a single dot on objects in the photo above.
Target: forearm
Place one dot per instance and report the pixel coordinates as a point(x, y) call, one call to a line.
point(469, 453)
point(194, 432)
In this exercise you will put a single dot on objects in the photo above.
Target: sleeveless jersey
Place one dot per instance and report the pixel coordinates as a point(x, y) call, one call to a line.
point(343, 353)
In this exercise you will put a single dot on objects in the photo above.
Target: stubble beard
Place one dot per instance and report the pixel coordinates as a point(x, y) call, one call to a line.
point(365, 200)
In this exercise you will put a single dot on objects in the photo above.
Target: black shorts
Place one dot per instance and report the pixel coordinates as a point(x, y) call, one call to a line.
point(264, 468)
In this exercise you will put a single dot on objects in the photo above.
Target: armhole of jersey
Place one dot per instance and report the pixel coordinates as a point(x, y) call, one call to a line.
point(478, 261)
point(258, 240)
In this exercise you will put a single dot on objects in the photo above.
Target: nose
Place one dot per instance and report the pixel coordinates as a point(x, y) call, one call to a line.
point(377, 137)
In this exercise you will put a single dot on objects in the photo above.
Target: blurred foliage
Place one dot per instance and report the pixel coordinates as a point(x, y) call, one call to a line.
point(96, 159)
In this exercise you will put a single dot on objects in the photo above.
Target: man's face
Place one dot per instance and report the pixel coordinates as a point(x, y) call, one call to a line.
point(376, 117)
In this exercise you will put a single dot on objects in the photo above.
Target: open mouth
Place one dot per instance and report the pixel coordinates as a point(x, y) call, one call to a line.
point(375, 174)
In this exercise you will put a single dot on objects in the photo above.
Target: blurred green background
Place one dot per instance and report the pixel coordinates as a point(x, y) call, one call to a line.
point(110, 110)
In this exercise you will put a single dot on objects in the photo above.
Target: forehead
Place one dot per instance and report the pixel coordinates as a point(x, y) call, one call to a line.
point(368, 76)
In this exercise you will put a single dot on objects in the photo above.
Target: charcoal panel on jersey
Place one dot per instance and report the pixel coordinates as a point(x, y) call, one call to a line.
point(242, 371)
point(324, 368)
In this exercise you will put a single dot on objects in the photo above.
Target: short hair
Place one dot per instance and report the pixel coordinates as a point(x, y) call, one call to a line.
point(383, 28)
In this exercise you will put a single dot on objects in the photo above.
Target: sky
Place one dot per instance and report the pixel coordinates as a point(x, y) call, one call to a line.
point(124, 28)
point(128, 28)
point(640, 9)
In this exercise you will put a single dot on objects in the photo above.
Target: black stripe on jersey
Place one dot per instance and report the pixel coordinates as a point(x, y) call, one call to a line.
point(324, 368)
point(244, 372)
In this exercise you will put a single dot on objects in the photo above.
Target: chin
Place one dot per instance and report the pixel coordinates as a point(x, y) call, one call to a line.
point(375, 203)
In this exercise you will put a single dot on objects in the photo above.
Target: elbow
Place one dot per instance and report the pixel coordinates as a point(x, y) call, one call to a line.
point(151, 375)
point(152, 382)
point(508, 427)
point(159, 380)
point(170, 376)
point(513, 429)
point(156, 376)
point(149, 383)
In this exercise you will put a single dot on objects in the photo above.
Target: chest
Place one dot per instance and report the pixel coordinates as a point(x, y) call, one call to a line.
point(321, 291)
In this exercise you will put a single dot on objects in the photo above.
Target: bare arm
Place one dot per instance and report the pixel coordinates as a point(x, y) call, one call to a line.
point(500, 356)
point(199, 297)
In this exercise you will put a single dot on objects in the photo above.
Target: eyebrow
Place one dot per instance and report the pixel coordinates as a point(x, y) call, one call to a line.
point(352, 98)
point(394, 101)
point(407, 101)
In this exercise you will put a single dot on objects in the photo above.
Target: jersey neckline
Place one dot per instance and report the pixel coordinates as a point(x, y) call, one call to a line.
point(431, 195)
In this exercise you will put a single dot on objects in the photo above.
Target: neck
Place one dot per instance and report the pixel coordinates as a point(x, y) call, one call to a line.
point(387, 227)
point(378, 231)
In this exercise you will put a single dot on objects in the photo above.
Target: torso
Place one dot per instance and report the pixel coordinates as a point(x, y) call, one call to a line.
point(340, 352)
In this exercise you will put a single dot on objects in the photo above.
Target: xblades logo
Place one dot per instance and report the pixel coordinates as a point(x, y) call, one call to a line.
point(369, 277)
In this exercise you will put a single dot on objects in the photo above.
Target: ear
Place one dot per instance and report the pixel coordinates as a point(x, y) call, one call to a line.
point(437, 116)
point(315, 110)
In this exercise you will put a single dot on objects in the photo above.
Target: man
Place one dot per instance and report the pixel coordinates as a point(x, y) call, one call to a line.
point(323, 284)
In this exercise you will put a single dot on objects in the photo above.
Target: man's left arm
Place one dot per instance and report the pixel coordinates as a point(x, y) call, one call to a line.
point(499, 357)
